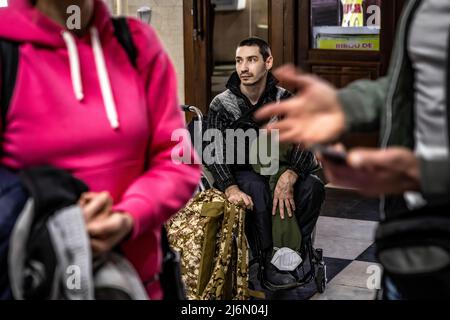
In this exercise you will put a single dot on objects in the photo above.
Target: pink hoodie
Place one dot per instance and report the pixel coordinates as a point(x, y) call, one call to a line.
point(80, 105)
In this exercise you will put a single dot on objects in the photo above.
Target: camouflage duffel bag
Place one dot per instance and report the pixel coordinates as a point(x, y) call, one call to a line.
point(209, 233)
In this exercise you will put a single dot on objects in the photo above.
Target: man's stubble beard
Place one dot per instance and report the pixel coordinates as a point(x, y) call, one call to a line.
point(263, 77)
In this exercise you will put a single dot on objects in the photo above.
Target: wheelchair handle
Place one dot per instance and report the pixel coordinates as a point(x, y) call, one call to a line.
point(197, 111)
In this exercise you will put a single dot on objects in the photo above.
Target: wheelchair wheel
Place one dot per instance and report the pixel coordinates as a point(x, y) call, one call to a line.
point(321, 272)
point(321, 278)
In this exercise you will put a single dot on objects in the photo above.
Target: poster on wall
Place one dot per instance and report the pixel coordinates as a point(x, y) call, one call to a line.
point(230, 5)
point(3, 3)
point(353, 13)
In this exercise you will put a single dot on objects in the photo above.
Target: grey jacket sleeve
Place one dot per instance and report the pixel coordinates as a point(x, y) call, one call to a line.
point(218, 119)
point(303, 162)
point(363, 102)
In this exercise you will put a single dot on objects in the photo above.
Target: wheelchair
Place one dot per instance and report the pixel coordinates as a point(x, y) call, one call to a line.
point(313, 266)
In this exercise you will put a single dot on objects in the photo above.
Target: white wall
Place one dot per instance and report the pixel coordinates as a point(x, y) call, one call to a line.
point(167, 19)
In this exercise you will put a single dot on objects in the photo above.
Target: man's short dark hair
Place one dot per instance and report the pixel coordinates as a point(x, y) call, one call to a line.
point(263, 46)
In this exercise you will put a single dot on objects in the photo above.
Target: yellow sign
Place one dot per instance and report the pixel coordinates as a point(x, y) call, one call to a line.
point(353, 13)
point(366, 43)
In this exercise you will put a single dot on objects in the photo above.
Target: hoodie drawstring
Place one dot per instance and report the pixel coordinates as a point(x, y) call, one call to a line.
point(105, 85)
point(74, 61)
point(102, 72)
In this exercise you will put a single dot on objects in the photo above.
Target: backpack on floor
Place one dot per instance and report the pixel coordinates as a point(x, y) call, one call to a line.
point(209, 233)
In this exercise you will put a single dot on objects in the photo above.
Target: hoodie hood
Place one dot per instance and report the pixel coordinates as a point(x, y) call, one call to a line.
point(21, 22)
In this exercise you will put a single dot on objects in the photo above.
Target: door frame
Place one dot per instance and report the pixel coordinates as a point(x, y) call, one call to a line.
point(198, 44)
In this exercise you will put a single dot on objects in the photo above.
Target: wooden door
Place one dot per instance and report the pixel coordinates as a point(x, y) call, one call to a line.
point(283, 30)
point(198, 31)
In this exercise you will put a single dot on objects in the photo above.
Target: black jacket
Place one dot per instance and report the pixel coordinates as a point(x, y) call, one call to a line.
point(45, 245)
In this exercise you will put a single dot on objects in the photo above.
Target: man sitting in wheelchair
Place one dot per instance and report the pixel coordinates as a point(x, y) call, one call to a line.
point(295, 193)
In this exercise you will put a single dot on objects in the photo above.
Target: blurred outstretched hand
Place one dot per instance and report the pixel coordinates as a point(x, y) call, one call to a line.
point(313, 115)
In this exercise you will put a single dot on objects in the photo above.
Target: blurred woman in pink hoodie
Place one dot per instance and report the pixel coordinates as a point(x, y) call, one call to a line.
point(79, 104)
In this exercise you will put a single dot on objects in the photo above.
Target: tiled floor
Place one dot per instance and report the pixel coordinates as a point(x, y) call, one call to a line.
point(344, 238)
point(345, 231)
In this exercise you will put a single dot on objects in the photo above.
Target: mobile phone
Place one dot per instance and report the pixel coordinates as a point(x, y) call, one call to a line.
point(336, 157)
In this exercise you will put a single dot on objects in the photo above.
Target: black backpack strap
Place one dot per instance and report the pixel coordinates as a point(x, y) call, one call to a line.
point(123, 34)
point(170, 277)
point(9, 63)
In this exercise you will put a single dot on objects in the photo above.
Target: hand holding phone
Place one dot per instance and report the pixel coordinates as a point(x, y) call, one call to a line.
point(334, 156)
